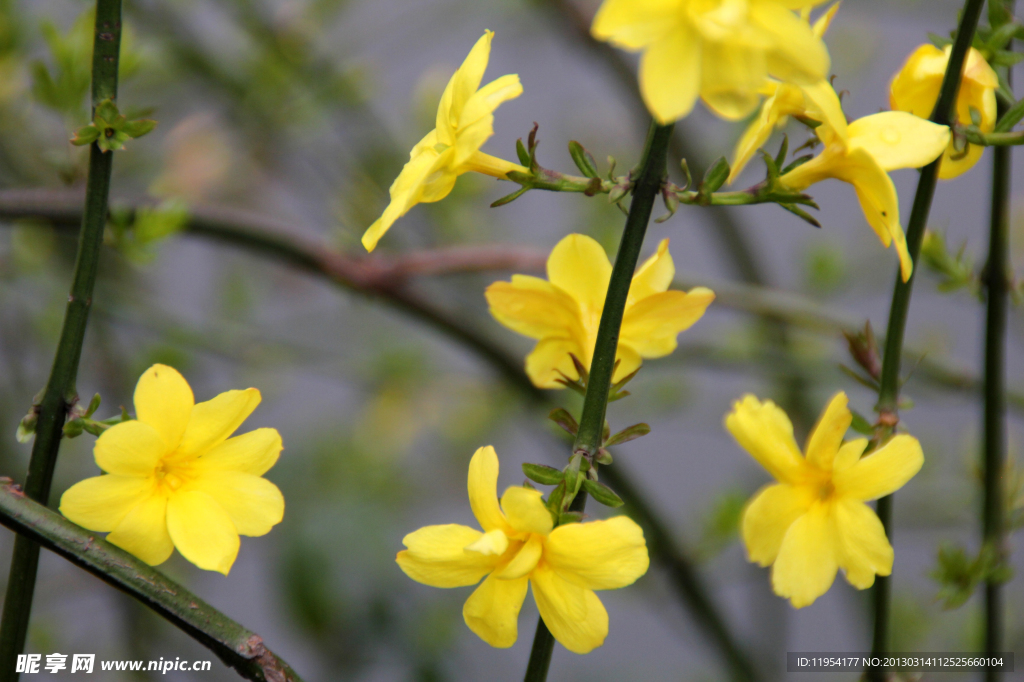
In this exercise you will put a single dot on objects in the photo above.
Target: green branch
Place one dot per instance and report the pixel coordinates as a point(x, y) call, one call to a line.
point(60, 393)
point(233, 644)
point(994, 139)
point(997, 283)
point(888, 394)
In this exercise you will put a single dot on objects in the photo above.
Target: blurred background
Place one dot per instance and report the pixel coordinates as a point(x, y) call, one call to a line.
point(291, 118)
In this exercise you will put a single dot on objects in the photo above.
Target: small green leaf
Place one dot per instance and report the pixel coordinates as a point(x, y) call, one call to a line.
point(715, 176)
point(629, 433)
point(542, 474)
point(85, 135)
point(583, 160)
point(566, 518)
point(602, 493)
point(524, 156)
point(861, 425)
point(802, 214)
point(136, 129)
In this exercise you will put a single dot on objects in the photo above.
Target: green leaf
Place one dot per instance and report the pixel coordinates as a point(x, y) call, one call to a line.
point(85, 135)
point(583, 160)
point(602, 493)
point(136, 129)
point(524, 156)
point(542, 474)
point(715, 176)
point(562, 417)
point(861, 425)
point(566, 518)
point(629, 433)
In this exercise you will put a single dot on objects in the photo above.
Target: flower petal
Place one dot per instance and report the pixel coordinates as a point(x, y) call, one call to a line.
point(253, 453)
point(579, 266)
point(879, 202)
point(573, 614)
point(628, 362)
point(670, 74)
point(848, 455)
point(483, 490)
point(768, 517)
point(654, 276)
point(863, 548)
point(491, 543)
point(406, 191)
point(102, 502)
point(525, 510)
point(164, 400)
point(213, 421)
point(131, 448)
point(807, 561)
point(882, 472)
point(732, 75)
point(550, 359)
point(634, 24)
point(464, 82)
point(202, 530)
point(896, 139)
point(650, 326)
point(492, 611)
point(533, 307)
point(525, 559)
point(598, 555)
point(827, 435)
point(254, 504)
point(797, 54)
point(476, 123)
point(143, 531)
point(437, 556)
point(764, 430)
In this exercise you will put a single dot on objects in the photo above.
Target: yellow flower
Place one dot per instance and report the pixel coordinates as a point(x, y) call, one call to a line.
point(465, 120)
point(175, 478)
point(564, 312)
point(784, 100)
point(861, 153)
point(916, 89)
point(814, 521)
point(722, 50)
point(519, 546)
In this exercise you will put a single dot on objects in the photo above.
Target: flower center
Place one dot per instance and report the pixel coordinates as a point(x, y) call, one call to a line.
point(826, 489)
point(169, 476)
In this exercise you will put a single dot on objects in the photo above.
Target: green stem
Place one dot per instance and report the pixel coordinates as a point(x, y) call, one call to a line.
point(997, 281)
point(233, 644)
point(888, 394)
point(647, 185)
point(60, 394)
point(994, 139)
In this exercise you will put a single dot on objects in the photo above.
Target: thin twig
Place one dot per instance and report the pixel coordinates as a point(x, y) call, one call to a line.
point(233, 644)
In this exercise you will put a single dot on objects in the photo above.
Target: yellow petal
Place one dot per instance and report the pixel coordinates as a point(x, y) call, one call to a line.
point(654, 276)
point(634, 24)
point(573, 614)
point(102, 502)
point(879, 202)
point(598, 555)
point(533, 307)
point(955, 164)
point(254, 504)
point(579, 266)
point(651, 325)
point(823, 105)
point(827, 435)
point(797, 54)
point(820, 27)
point(731, 76)
point(550, 359)
point(251, 453)
point(882, 472)
point(437, 556)
point(863, 548)
point(492, 611)
point(406, 191)
point(491, 165)
point(764, 430)
point(525, 510)
point(807, 561)
point(464, 82)
point(163, 399)
point(213, 421)
point(483, 490)
point(131, 448)
point(143, 531)
point(670, 74)
point(628, 362)
point(755, 136)
point(896, 139)
point(491, 543)
point(767, 518)
point(476, 123)
point(915, 88)
point(849, 454)
point(524, 561)
point(202, 531)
